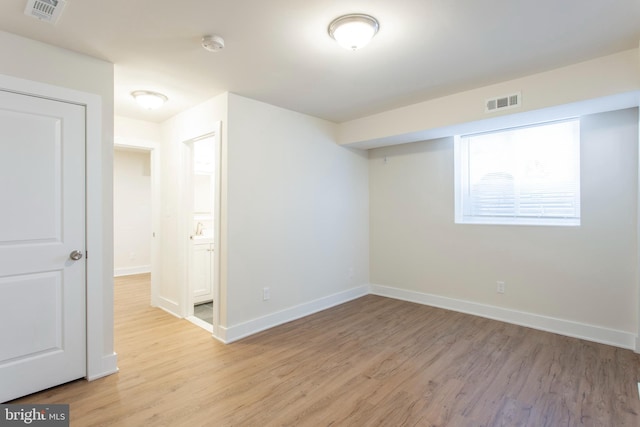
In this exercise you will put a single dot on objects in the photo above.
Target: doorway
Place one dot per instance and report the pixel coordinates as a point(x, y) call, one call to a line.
point(137, 210)
point(132, 232)
point(201, 219)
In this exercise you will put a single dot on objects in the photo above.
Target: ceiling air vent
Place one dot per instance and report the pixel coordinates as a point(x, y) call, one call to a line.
point(45, 10)
point(503, 102)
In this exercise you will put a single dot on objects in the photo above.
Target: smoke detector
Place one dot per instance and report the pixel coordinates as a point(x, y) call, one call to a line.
point(45, 10)
point(213, 43)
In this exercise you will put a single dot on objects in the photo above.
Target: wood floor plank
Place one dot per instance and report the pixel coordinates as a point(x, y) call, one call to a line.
point(370, 362)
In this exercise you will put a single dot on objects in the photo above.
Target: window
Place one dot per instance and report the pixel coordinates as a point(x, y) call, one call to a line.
point(527, 175)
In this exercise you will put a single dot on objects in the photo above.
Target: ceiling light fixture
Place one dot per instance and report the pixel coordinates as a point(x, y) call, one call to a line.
point(353, 31)
point(149, 100)
point(213, 43)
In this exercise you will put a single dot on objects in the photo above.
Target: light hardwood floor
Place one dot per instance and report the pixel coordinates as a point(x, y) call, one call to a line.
point(370, 362)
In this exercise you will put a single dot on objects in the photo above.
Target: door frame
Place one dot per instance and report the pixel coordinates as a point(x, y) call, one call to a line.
point(101, 360)
point(153, 149)
point(185, 223)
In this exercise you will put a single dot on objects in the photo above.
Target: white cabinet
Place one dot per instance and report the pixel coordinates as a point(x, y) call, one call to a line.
point(202, 272)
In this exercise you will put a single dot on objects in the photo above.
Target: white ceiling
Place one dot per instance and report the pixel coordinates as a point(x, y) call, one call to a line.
point(278, 51)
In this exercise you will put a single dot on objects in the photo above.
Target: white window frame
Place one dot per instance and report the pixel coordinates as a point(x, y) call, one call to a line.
point(463, 193)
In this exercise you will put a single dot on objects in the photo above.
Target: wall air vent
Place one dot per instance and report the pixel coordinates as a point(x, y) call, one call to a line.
point(45, 10)
point(503, 102)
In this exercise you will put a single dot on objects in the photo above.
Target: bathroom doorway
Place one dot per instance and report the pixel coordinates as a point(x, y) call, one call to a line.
point(201, 222)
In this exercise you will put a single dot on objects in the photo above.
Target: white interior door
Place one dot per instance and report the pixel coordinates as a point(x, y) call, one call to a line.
point(42, 221)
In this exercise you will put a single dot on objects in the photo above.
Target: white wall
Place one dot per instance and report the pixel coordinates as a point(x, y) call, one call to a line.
point(139, 133)
point(587, 274)
point(44, 63)
point(297, 211)
point(294, 213)
point(602, 84)
point(132, 212)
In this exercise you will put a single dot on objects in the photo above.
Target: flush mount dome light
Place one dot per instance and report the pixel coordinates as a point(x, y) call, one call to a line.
point(149, 100)
point(353, 31)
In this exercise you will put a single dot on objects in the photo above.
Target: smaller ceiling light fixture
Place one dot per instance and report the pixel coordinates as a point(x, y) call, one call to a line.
point(149, 100)
point(213, 43)
point(353, 31)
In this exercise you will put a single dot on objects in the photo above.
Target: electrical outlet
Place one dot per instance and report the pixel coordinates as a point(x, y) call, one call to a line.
point(351, 274)
point(266, 294)
point(500, 287)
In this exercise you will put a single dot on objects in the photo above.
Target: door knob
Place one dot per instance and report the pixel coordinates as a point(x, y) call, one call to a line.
point(75, 255)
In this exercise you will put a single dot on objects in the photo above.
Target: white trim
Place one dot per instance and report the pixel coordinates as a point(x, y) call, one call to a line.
point(217, 233)
point(569, 328)
point(99, 288)
point(221, 335)
point(637, 349)
point(201, 323)
point(236, 332)
point(170, 306)
point(185, 226)
point(128, 271)
point(109, 366)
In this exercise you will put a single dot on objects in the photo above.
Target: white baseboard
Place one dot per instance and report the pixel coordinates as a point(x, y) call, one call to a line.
point(128, 271)
point(169, 306)
point(236, 332)
point(201, 323)
point(569, 328)
point(109, 366)
point(219, 334)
